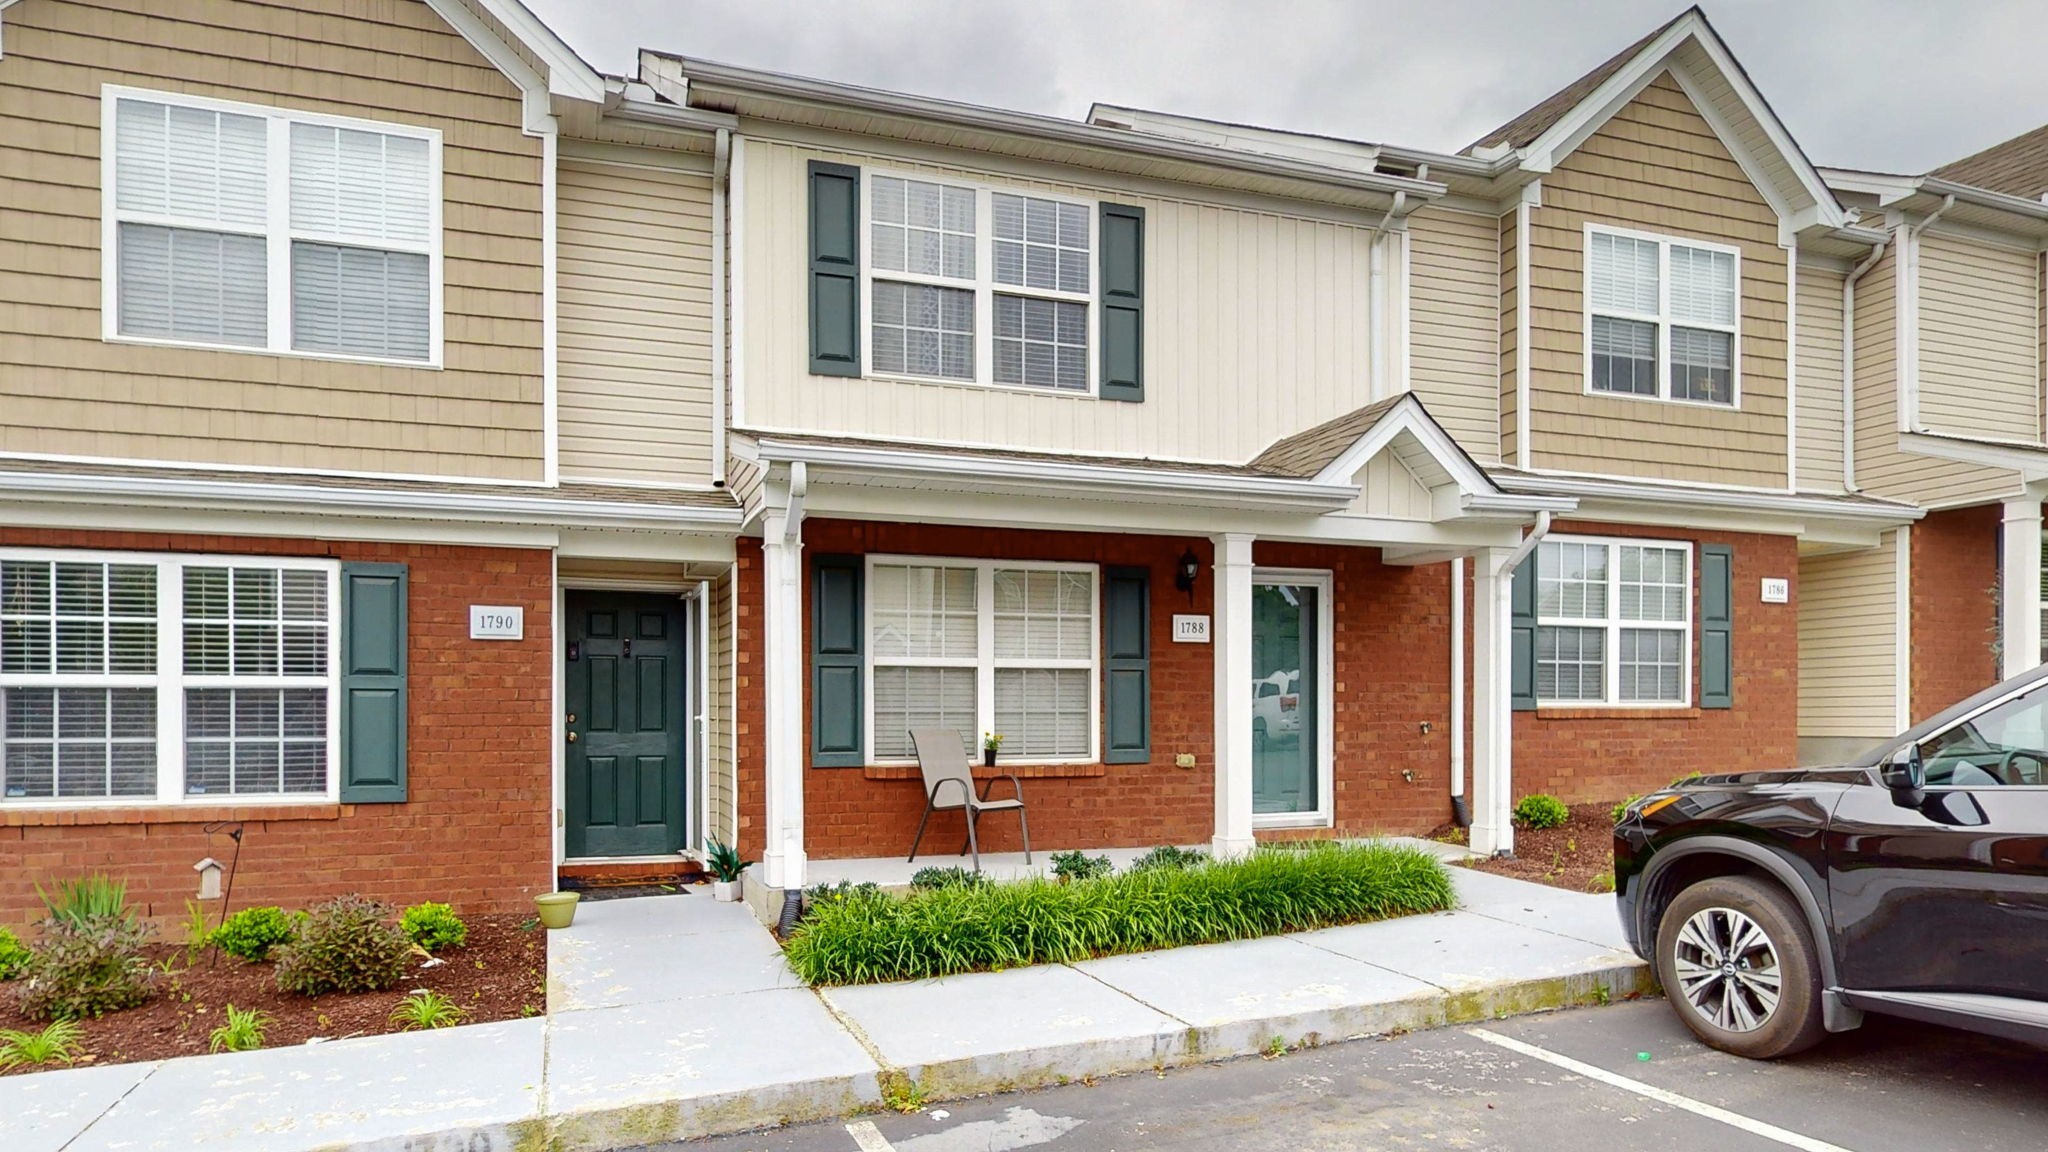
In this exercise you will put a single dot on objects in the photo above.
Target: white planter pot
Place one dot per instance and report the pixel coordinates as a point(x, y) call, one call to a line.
point(725, 890)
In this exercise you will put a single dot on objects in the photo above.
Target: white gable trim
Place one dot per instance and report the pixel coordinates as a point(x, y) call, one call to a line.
point(568, 75)
point(1421, 447)
point(1617, 90)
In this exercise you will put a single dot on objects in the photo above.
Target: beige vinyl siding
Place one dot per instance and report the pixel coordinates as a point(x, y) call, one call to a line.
point(1847, 644)
point(1510, 256)
point(1819, 424)
point(635, 323)
point(65, 391)
point(1454, 325)
point(1388, 490)
point(721, 801)
point(1979, 336)
point(1881, 468)
point(1255, 328)
point(1656, 166)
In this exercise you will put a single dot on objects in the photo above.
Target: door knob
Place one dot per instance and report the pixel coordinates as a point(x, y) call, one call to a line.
point(572, 737)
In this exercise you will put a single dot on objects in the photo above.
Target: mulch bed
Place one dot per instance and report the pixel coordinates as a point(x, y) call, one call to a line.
point(1578, 855)
point(501, 974)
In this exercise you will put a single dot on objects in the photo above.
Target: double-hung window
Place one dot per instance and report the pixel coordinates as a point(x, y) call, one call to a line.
point(983, 647)
point(1613, 622)
point(156, 679)
point(979, 285)
point(1662, 317)
point(241, 226)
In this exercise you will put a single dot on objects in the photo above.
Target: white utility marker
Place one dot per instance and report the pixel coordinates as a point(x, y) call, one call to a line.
point(1663, 1096)
point(869, 1137)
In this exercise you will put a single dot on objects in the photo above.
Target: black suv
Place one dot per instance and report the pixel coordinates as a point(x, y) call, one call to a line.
point(1777, 907)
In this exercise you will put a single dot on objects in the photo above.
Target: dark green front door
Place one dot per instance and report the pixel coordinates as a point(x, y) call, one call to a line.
point(625, 722)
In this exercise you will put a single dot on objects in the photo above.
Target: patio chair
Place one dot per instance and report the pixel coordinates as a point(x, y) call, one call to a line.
point(949, 783)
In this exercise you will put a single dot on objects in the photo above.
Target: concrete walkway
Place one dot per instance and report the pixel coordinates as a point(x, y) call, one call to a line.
point(673, 1017)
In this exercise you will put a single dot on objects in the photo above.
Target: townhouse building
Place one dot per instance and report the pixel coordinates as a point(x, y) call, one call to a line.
point(458, 470)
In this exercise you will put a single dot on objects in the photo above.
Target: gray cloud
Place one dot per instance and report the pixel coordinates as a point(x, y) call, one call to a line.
point(1890, 85)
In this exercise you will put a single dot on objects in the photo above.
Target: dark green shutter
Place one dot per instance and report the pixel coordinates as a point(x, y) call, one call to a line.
point(1717, 626)
point(835, 269)
point(1127, 666)
point(1522, 637)
point(373, 697)
point(838, 699)
point(1123, 302)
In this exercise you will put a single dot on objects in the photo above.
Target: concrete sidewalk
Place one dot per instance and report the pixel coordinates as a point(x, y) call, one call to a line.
point(674, 1017)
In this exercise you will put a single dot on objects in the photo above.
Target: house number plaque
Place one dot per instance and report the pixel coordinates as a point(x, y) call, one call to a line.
point(496, 622)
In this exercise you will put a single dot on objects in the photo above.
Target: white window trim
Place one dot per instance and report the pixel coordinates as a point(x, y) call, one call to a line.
point(171, 681)
point(1610, 675)
point(277, 231)
point(984, 661)
point(1662, 319)
point(1325, 582)
point(983, 285)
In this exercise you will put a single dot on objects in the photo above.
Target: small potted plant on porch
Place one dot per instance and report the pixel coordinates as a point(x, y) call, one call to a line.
point(991, 743)
point(726, 867)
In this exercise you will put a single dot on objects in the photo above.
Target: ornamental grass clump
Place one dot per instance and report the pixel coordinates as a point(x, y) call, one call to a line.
point(941, 931)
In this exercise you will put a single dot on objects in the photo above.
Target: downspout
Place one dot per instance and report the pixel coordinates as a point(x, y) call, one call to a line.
point(1461, 811)
point(1849, 366)
point(1381, 362)
point(720, 171)
point(1527, 545)
point(1908, 290)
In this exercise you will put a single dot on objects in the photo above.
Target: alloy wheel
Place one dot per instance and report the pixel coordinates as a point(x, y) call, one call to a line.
point(1727, 969)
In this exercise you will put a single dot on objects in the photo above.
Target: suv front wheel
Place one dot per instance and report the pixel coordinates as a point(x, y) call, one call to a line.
point(1737, 963)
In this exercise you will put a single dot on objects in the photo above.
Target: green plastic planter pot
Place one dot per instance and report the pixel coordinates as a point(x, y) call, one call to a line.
point(556, 909)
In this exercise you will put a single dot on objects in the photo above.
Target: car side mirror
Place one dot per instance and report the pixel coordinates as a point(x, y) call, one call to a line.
point(1906, 775)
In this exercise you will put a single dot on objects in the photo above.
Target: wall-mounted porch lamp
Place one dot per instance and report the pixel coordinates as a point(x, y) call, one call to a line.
point(1184, 573)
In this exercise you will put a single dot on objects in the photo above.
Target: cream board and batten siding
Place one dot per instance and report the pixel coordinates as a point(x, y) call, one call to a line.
point(1979, 339)
point(1454, 325)
point(635, 325)
point(1881, 468)
point(1848, 637)
point(1819, 426)
point(1255, 328)
point(68, 392)
point(1656, 167)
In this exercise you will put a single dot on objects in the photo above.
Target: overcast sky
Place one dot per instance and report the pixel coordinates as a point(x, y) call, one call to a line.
point(1888, 85)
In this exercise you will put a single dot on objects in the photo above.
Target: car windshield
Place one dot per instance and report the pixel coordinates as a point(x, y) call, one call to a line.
point(2005, 744)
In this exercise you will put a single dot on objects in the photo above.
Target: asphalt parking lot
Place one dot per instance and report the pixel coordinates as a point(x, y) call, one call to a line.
point(1566, 1081)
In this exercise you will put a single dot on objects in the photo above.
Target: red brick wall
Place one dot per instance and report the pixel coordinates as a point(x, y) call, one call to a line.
point(1955, 606)
point(1583, 755)
point(475, 831)
point(1392, 674)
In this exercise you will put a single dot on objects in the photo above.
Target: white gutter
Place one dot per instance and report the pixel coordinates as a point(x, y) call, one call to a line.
point(721, 167)
point(1458, 807)
point(1059, 475)
point(1527, 545)
point(1849, 366)
point(157, 491)
point(1780, 502)
point(793, 511)
point(669, 115)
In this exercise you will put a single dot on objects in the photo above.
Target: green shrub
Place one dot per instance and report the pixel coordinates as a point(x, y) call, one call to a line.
point(724, 861)
point(88, 899)
point(60, 1043)
point(348, 944)
point(1620, 810)
point(953, 877)
point(1541, 811)
point(1078, 865)
point(1170, 857)
point(13, 955)
point(251, 933)
point(434, 926)
point(87, 969)
point(942, 931)
point(242, 1033)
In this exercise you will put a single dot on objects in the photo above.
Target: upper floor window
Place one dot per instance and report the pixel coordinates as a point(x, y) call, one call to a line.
point(240, 226)
point(1613, 622)
point(1662, 317)
point(978, 285)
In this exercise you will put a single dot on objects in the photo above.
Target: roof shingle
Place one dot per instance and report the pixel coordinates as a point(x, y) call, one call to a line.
point(2018, 167)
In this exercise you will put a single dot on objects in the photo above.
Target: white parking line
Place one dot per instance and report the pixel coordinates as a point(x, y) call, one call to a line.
point(869, 1137)
point(1733, 1119)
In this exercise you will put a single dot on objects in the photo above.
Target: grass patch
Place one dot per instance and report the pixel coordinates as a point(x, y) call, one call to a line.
point(942, 931)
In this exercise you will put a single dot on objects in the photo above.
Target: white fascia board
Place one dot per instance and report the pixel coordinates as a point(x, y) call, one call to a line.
point(1053, 477)
point(143, 493)
point(702, 74)
point(1352, 154)
point(536, 111)
point(1407, 416)
point(110, 516)
point(2029, 460)
point(1590, 491)
point(568, 75)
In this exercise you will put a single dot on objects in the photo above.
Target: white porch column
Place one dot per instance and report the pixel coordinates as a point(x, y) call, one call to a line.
point(2020, 585)
point(1492, 703)
point(1231, 639)
point(782, 629)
